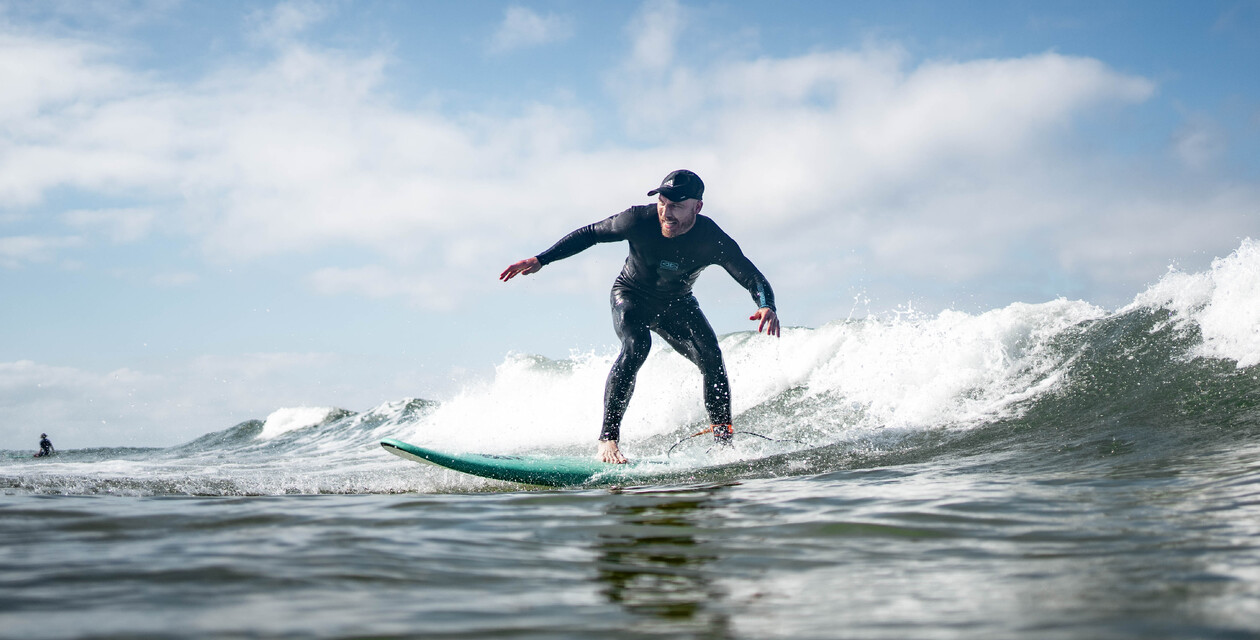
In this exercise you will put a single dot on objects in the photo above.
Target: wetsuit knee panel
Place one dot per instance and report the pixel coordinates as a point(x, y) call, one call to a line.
point(635, 346)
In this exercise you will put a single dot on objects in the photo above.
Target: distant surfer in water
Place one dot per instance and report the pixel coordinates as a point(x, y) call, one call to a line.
point(45, 446)
point(670, 244)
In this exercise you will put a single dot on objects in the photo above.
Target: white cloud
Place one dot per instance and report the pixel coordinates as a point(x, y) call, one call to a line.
point(522, 28)
point(36, 72)
point(18, 251)
point(654, 34)
point(66, 120)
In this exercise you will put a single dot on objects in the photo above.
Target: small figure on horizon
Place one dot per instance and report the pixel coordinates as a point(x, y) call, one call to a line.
point(45, 446)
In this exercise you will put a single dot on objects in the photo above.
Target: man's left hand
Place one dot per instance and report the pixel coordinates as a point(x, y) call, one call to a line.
point(769, 321)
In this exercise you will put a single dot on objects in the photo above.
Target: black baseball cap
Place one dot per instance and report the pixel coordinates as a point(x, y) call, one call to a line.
point(680, 185)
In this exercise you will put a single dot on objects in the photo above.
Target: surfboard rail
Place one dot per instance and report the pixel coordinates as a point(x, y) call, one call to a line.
point(544, 471)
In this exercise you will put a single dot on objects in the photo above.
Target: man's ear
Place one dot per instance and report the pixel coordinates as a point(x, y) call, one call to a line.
point(699, 205)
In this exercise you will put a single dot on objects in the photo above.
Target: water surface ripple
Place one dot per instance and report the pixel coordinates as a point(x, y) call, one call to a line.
point(978, 548)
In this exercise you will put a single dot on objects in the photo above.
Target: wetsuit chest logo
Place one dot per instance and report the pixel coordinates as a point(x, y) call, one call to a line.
point(669, 266)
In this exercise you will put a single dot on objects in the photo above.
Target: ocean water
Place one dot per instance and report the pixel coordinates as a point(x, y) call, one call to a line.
point(1043, 470)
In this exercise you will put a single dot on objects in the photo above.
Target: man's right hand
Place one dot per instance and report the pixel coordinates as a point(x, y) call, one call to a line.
point(769, 321)
point(524, 267)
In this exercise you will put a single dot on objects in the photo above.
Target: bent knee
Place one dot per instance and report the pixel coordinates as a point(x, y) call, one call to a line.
point(635, 348)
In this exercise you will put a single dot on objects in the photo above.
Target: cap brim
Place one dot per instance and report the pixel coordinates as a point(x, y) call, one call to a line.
point(674, 196)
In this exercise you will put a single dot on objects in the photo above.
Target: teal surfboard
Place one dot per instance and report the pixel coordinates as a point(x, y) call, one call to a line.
point(547, 471)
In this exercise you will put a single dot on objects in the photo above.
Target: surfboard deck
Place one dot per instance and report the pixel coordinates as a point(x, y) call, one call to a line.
point(545, 471)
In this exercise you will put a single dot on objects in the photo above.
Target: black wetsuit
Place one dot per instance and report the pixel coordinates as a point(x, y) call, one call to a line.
point(45, 448)
point(653, 293)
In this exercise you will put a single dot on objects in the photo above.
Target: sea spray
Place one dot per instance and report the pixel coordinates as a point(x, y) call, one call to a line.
point(1221, 304)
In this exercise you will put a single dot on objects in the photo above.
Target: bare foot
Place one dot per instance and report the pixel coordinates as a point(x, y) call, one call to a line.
point(608, 452)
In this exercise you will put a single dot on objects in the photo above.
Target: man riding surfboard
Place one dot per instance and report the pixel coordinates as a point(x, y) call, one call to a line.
point(670, 244)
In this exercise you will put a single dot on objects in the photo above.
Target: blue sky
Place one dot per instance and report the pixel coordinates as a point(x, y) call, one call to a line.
point(210, 210)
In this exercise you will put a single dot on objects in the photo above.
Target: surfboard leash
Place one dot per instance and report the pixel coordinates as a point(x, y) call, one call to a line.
point(709, 429)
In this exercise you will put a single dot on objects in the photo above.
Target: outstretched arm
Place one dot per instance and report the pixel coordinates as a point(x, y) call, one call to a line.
point(608, 230)
point(523, 267)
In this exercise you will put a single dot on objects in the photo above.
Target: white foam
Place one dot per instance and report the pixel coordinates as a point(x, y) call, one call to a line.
point(530, 403)
point(282, 421)
point(1224, 302)
point(953, 370)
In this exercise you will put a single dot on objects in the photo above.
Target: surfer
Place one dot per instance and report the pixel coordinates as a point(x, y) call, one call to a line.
point(670, 244)
point(45, 446)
